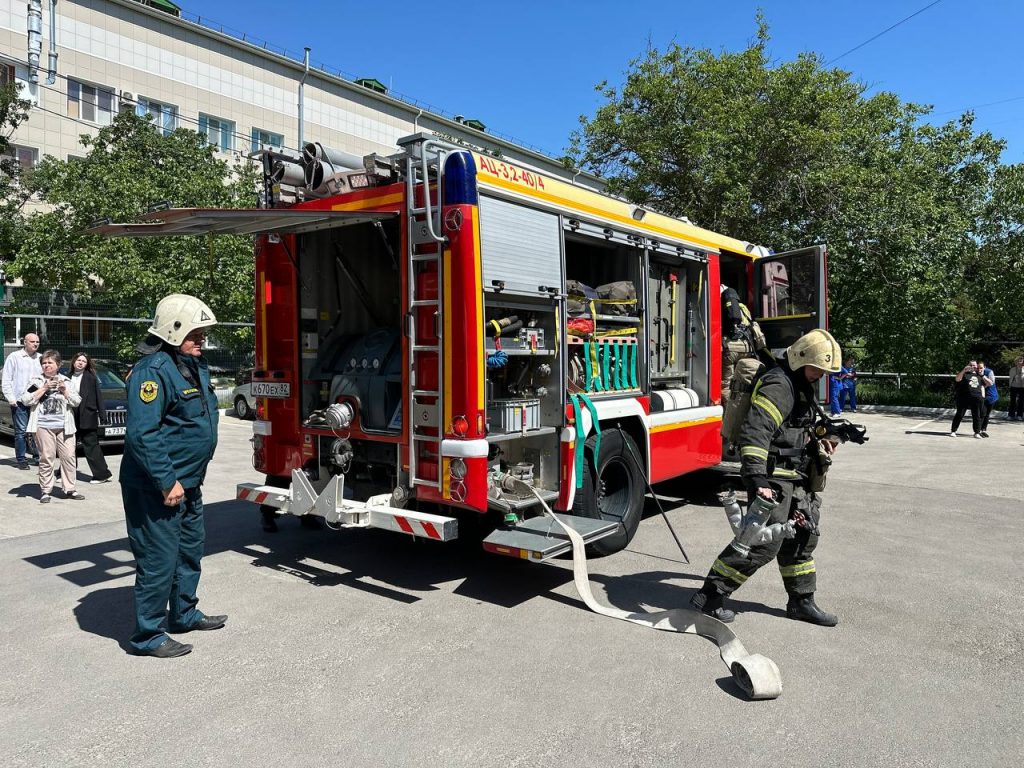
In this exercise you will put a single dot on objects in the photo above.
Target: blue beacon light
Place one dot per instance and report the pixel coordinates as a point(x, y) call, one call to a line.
point(460, 179)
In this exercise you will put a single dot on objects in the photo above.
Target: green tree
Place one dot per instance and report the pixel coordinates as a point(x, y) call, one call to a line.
point(795, 153)
point(13, 192)
point(128, 168)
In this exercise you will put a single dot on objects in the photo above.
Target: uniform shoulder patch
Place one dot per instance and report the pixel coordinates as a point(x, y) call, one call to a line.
point(148, 391)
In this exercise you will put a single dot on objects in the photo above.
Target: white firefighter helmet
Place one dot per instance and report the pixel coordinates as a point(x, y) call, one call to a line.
point(817, 348)
point(178, 315)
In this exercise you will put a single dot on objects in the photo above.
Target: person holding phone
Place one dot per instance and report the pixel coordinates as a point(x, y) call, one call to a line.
point(970, 393)
point(51, 422)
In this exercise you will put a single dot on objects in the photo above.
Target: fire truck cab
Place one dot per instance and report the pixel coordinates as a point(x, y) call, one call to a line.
point(440, 331)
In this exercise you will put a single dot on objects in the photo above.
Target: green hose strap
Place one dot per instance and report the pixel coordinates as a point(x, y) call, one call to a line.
point(605, 360)
point(620, 365)
point(632, 364)
point(581, 437)
point(597, 429)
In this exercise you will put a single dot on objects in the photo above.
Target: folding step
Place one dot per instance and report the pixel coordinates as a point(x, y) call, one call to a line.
point(539, 538)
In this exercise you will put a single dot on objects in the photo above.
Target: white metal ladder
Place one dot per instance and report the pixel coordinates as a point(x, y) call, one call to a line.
point(424, 160)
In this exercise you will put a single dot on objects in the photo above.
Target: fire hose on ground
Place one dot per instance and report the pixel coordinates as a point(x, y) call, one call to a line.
point(756, 675)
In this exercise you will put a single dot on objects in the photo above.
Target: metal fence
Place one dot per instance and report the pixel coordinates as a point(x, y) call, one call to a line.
point(70, 323)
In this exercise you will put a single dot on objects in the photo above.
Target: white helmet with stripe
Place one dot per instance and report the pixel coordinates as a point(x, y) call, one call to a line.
point(178, 315)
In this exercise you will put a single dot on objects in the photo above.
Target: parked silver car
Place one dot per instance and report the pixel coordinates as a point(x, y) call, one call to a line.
point(241, 396)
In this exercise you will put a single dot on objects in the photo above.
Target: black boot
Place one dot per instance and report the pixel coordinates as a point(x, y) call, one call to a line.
point(803, 608)
point(709, 602)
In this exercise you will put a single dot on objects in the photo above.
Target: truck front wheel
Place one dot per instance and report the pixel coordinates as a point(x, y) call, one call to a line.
point(616, 494)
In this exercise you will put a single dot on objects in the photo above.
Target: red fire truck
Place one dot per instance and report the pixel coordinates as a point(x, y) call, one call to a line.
point(433, 323)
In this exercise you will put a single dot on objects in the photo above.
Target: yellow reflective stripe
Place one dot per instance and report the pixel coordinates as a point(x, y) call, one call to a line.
point(745, 313)
point(769, 407)
point(753, 450)
point(780, 472)
point(730, 573)
point(800, 569)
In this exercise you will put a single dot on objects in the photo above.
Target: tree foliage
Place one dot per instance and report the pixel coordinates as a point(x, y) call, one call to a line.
point(921, 220)
point(13, 192)
point(127, 168)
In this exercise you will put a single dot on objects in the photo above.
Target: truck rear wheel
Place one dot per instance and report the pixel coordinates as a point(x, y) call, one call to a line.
point(616, 494)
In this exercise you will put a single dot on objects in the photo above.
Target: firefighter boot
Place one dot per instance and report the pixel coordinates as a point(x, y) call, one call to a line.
point(803, 608)
point(709, 602)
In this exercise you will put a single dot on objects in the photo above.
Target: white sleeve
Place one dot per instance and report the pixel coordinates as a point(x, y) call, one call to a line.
point(8, 384)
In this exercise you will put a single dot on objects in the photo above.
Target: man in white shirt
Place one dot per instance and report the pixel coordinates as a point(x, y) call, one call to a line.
point(19, 369)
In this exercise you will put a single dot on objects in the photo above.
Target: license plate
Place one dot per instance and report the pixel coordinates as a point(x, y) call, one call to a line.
point(113, 431)
point(278, 389)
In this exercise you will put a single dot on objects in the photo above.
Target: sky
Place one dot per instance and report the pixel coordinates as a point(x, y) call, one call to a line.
point(527, 69)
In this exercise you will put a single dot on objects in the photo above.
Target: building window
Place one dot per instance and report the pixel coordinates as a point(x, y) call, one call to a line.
point(165, 116)
point(266, 140)
point(27, 157)
point(219, 132)
point(18, 75)
point(91, 103)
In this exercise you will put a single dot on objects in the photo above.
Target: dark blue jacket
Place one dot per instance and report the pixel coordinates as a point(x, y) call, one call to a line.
point(172, 424)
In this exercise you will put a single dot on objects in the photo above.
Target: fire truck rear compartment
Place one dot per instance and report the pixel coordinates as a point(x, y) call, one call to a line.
point(350, 323)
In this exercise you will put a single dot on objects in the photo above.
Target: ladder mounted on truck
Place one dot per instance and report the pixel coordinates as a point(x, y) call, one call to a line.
point(424, 160)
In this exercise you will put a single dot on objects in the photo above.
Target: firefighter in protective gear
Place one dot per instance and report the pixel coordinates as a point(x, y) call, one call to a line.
point(776, 453)
point(170, 438)
point(740, 336)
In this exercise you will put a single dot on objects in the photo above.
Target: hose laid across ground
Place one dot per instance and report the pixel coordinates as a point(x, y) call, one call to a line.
point(756, 675)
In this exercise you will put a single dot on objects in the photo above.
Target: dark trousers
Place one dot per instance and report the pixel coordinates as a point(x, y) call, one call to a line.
point(974, 406)
point(24, 444)
point(90, 440)
point(168, 545)
point(1016, 403)
point(795, 557)
point(986, 411)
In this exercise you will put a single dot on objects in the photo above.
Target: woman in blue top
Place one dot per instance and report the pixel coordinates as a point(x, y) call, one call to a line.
point(988, 380)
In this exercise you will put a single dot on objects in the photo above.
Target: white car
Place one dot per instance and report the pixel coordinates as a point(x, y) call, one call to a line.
point(241, 395)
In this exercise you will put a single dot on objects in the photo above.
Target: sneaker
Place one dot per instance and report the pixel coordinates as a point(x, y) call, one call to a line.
point(23, 465)
point(44, 499)
point(952, 434)
point(984, 434)
point(74, 495)
point(94, 481)
point(977, 435)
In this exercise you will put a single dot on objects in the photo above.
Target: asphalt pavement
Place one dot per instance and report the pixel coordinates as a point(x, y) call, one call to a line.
point(367, 648)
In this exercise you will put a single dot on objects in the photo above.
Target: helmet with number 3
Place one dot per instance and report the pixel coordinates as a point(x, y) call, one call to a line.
point(817, 348)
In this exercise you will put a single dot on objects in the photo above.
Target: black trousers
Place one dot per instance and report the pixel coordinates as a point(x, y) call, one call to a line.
point(1016, 402)
point(90, 440)
point(962, 406)
point(986, 411)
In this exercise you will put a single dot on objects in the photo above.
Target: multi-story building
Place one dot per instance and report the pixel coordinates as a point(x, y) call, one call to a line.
point(143, 55)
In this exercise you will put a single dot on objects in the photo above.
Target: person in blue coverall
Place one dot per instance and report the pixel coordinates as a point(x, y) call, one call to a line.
point(988, 380)
point(848, 377)
point(170, 438)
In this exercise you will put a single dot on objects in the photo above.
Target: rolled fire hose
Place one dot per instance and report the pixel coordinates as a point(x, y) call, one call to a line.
point(756, 675)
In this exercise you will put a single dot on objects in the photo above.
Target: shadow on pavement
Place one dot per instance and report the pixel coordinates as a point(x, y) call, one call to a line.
point(377, 562)
point(108, 613)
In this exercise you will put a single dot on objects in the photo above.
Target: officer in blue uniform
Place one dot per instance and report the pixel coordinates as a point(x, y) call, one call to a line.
point(170, 438)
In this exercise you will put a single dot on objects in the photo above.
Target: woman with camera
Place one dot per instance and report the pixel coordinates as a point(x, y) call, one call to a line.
point(51, 420)
point(970, 394)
